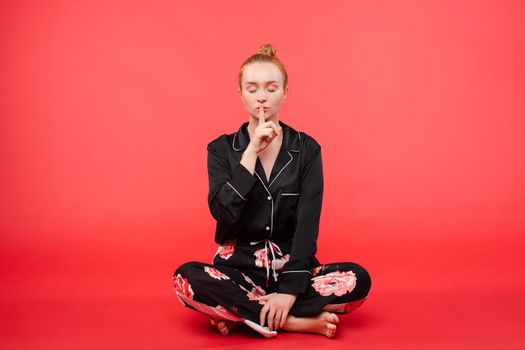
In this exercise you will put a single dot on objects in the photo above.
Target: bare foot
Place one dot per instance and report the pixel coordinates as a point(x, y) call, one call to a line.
point(223, 326)
point(325, 323)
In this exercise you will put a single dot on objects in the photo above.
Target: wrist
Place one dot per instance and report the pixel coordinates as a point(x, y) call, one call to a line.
point(250, 150)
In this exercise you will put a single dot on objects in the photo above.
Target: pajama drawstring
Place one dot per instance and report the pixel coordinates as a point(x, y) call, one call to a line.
point(273, 247)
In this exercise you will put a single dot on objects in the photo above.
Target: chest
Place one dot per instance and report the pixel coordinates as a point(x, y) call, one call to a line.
point(268, 159)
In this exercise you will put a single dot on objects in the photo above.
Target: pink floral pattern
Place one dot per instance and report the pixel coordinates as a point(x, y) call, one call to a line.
point(315, 271)
point(337, 283)
point(278, 264)
point(226, 250)
point(213, 272)
point(226, 314)
point(218, 311)
point(261, 257)
point(182, 286)
point(221, 308)
point(248, 279)
point(256, 292)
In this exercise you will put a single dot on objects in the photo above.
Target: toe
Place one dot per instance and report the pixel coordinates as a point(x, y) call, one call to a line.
point(330, 330)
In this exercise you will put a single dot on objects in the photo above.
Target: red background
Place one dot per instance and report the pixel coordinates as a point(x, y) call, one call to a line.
point(106, 109)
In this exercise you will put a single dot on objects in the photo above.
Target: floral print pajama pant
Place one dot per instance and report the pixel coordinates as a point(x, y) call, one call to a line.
point(231, 286)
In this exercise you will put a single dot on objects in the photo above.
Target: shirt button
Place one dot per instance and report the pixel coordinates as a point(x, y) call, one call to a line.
point(267, 228)
point(269, 197)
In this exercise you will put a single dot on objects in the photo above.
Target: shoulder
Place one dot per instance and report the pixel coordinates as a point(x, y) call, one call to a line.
point(309, 146)
point(221, 142)
point(308, 142)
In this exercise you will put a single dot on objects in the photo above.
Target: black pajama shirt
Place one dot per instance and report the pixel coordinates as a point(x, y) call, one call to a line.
point(266, 233)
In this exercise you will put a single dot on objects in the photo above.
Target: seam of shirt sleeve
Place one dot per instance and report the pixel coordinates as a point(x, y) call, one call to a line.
point(236, 191)
point(297, 271)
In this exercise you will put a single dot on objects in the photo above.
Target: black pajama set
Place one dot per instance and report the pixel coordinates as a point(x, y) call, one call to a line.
point(267, 237)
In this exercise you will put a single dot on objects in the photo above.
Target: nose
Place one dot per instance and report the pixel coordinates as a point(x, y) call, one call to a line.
point(261, 98)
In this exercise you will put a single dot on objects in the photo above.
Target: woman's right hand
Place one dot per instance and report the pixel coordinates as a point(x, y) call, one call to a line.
point(264, 133)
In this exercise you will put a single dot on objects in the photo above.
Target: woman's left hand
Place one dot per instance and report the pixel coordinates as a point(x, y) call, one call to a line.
point(277, 307)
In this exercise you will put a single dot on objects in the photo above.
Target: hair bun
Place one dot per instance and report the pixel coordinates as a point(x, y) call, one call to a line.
point(267, 50)
point(266, 54)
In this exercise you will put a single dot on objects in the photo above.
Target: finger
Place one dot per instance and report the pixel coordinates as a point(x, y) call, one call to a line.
point(277, 319)
point(266, 138)
point(273, 126)
point(276, 128)
point(271, 316)
point(269, 133)
point(261, 115)
point(264, 310)
point(284, 317)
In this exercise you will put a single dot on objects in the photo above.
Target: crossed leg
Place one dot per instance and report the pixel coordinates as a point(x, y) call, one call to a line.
point(236, 297)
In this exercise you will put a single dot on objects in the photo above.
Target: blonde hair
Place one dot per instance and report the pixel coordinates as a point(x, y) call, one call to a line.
point(265, 53)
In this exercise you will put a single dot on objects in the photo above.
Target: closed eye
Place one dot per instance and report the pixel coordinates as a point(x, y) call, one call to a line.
point(252, 91)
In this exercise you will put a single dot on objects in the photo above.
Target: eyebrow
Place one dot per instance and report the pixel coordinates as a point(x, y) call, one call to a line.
point(253, 82)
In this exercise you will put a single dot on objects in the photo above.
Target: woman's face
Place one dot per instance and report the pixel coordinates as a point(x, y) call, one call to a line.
point(262, 85)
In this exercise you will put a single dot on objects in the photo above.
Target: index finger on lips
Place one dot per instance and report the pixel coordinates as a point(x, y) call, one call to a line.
point(261, 115)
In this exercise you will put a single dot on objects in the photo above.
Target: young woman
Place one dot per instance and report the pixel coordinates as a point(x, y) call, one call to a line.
point(265, 192)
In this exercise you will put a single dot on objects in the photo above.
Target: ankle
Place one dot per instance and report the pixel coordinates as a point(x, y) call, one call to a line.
point(291, 323)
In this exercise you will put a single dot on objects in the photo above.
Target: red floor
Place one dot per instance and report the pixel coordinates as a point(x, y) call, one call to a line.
point(399, 319)
point(134, 307)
